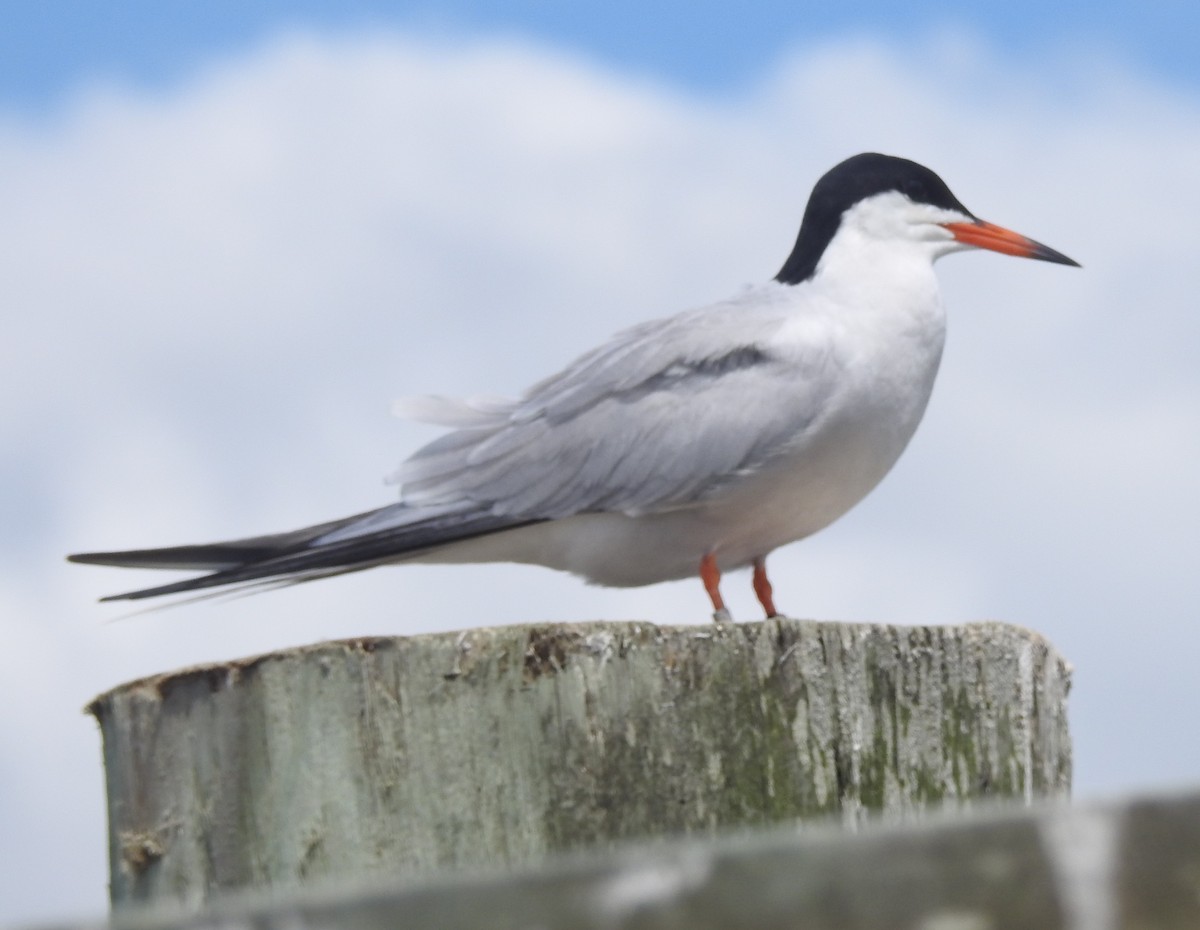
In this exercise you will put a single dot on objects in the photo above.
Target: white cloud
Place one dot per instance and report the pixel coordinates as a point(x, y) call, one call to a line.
point(212, 293)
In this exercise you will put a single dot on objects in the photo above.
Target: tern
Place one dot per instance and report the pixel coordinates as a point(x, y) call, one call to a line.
point(693, 444)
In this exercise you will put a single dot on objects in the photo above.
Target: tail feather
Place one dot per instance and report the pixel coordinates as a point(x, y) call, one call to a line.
point(389, 534)
point(214, 556)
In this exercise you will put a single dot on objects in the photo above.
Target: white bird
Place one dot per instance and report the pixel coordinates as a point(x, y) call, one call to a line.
point(696, 443)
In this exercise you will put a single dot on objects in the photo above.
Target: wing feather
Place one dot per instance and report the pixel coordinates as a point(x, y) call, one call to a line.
point(663, 416)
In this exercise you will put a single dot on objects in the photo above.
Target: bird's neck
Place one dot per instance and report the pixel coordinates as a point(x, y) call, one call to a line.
point(880, 280)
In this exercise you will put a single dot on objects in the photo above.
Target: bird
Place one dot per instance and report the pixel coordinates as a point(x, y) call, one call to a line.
point(693, 444)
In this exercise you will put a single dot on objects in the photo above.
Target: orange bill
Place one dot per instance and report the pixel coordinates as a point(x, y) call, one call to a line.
point(985, 235)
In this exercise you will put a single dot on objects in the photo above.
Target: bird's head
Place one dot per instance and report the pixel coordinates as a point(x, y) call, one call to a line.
point(893, 200)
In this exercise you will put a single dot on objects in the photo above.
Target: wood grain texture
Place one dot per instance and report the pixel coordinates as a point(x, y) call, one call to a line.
point(501, 747)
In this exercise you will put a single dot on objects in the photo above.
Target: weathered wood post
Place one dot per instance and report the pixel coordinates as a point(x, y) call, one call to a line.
point(505, 746)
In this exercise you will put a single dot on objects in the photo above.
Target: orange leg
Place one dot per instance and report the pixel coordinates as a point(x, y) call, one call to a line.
point(762, 587)
point(711, 576)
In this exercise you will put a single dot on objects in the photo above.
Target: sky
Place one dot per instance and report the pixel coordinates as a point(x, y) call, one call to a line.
point(234, 233)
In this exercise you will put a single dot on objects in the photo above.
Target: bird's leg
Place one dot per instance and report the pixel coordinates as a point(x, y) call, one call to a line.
point(762, 587)
point(711, 576)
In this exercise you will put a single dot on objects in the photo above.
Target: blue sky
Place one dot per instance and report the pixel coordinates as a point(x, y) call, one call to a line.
point(46, 49)
point(233, 232)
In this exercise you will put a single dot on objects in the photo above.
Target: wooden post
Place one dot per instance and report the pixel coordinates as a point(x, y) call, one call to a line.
point(1118, 866)
point(1128, 865)
point(501, 747)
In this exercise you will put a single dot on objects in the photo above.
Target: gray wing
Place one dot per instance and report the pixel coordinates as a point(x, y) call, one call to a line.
point(661, 417)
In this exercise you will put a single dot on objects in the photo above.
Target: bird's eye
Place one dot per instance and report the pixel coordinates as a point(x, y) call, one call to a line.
point(913, 190)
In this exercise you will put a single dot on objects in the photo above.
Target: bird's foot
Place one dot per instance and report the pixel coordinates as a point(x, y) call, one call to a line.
point(722, 616)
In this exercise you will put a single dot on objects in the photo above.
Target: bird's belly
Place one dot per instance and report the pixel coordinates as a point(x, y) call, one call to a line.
point(805, 491)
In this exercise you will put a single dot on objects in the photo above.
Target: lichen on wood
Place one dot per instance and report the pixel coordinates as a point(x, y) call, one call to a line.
point(501, 746)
